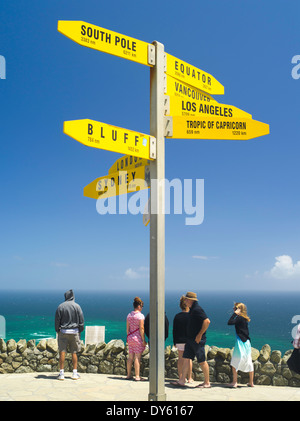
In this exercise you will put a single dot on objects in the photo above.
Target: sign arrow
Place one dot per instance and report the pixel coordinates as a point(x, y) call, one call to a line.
point(111, 138)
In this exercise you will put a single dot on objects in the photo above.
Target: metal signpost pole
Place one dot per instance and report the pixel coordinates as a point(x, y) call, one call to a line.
point(157, 231)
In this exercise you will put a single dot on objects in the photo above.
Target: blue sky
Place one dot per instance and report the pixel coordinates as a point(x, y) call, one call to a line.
point(53, 237)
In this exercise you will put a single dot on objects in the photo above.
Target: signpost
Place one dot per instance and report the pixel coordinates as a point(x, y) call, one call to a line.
point(192, 76)
point(176, 106)
point(111, 138)
point(192, 114)
point(175, 87)
point(117, 183)
point(110, 42)
point(157, 231)
point(224, 128)
point(128, 162)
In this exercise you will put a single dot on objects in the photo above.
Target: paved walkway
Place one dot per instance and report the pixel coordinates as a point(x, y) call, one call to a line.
point(110, 387)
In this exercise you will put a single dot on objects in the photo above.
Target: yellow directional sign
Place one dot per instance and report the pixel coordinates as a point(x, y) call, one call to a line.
point(193, 76)
point(182, 107)
point(214, 128)
point(182, 90)
point(111, 138)
point(128, 162)
point(107, 41)
point(117, 183)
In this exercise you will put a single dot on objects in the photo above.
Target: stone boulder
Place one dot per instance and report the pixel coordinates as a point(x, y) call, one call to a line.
point(115, 346)
point(99, 347)
point(11, 345)
point(42, 345)
point(52, 345)
point(268, 369)
point(265, 353)
point(3, 347)
point(223, 353)
point(275, 357)
point(254, 354)
point(21, 346)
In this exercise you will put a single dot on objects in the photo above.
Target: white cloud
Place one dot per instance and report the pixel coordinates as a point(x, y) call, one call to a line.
point(138, 273)
point(284, 268)
point(59, 264)
point(204, 257)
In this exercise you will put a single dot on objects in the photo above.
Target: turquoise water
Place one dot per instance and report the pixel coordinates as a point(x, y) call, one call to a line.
point(30, 315)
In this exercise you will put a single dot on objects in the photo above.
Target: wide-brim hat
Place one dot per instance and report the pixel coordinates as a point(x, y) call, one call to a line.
point(191, 296)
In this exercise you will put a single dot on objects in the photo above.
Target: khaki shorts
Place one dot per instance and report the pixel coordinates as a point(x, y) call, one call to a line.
point(69, 339)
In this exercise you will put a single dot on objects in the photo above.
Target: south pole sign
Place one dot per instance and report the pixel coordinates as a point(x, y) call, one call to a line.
point(175, 78)
point(107, 41)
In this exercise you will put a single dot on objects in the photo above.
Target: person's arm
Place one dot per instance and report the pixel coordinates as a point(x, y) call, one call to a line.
point(81, 320)
point(142, 331)
point(57, 321)
point(234, 318)
point(204, 328)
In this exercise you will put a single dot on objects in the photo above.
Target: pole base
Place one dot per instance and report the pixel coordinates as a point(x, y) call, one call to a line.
point(157, 397)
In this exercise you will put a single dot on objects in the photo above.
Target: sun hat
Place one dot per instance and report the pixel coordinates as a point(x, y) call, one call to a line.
point(191, 296)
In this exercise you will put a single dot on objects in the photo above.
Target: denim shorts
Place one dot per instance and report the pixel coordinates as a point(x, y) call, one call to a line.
point(192, 350)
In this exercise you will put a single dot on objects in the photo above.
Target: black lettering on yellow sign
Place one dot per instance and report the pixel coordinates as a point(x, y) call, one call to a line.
point(112, 181)
point(211, 124)
point(206, 109)
point(185, 69)
point(96, 34)
point(115, 134)
point(106, 37)
point(190, 92)
point(128, 161)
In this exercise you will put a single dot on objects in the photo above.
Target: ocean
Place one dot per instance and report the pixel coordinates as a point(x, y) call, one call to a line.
point(30, 314)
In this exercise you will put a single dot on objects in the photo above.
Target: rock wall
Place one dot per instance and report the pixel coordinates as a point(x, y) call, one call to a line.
point(270, 367)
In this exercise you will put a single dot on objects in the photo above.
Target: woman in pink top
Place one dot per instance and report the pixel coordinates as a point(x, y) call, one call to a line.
point(135, 338)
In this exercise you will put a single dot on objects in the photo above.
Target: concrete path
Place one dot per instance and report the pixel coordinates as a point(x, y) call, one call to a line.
point(113, 388)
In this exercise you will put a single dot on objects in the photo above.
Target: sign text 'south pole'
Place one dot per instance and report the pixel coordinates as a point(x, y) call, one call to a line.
point(157, 231)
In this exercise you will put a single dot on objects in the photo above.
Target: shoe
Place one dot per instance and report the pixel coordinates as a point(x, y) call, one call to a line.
point(61, 376)
point(75, 376)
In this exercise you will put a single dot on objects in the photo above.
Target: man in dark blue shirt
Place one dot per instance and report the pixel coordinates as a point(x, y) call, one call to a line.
point(196, 338)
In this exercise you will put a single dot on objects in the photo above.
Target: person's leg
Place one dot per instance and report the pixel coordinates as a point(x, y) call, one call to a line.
point(200, 354)
point(75, 375)
point(205, 369)
point(251, 377)
point(129, 365)
point(234, 378)
point(137, 364)
point(185, 369)
point(190, 372)
point(74, 360)
point(179, 363)
point(62, 356)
